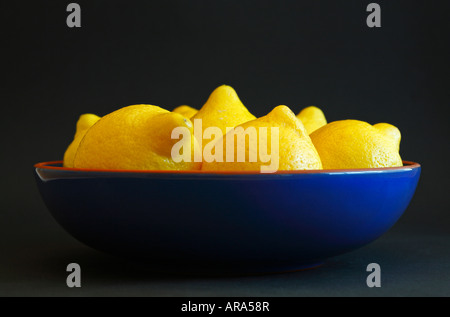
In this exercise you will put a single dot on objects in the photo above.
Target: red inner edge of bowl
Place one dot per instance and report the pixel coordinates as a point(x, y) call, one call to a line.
point(48, 165)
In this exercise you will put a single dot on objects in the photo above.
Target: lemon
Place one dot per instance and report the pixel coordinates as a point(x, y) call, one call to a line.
point(136, 137)
point(186, 111)
point(391, 132)
point(223, 109)
point(312, 118)
point(291, 148)
point(83, 124)
point(349, 144)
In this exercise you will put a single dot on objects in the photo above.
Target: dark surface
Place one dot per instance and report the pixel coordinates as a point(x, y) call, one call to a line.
point(412, 264)
point(169, 53)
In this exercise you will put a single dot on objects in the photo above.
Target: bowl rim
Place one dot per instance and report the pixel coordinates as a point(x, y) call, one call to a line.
point(49, 165)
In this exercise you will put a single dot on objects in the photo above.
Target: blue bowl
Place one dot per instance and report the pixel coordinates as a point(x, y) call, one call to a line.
point(198, 222)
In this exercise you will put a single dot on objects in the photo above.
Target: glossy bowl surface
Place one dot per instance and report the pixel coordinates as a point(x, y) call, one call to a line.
point(198, 222)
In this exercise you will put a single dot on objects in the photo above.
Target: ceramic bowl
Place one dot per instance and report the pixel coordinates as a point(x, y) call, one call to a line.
point(198, 222)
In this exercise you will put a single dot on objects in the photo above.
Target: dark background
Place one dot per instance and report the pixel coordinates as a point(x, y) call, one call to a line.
point(168, 53)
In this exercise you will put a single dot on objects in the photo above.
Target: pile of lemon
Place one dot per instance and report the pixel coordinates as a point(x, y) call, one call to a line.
point(139, 137)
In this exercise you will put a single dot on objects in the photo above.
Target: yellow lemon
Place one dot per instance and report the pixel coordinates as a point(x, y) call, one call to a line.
point(348, 144)
point(391, 132)
point(312, 118)
point(277, 141)
point(186, 111)
point(137, 137)
point(83, 124)
point(223, 109)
